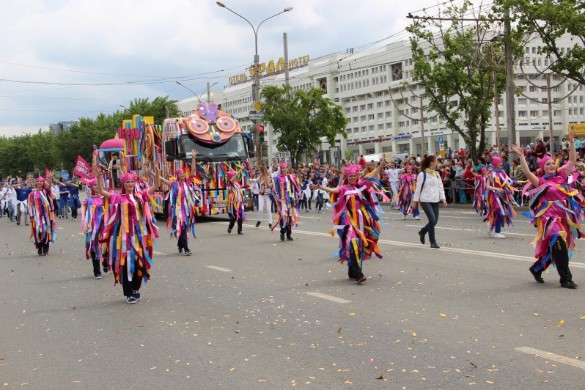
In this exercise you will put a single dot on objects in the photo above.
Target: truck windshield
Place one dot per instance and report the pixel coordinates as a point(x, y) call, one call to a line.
point(232, 150)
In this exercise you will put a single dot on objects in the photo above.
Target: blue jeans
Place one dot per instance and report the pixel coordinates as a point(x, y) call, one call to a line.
point(432, 212)
point(64, 207)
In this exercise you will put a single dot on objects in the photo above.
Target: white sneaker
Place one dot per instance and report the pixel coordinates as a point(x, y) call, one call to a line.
point(417, 218)
point(403, 216)
point(489, 230)
point(499, 235)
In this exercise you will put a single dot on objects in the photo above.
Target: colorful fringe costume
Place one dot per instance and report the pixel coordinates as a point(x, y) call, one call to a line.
point(499, 205)
point(357, 223)
point(405, 194)
point(235, 203)
point(480, 195)
point(287, 194)
point(129, 232)
point(92, 224)
point(42, 219)
point(183, 200)
point(556, 213)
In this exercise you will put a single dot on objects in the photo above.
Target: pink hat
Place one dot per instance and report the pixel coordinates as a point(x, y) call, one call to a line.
point(409, 166)
point(231, 175)
point(40, 179)
point(460, 163)
point(543, 160)
point(125, 177)
point(90, 182)
point(352, 169)
point(180, 170)
point(496, 161)
point(283, 165)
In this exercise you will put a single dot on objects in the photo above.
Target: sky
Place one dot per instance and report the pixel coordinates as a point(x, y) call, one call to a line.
point(61, 60)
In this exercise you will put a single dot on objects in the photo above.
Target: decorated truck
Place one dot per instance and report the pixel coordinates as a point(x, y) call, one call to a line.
point(219, 145)
point(214, 135)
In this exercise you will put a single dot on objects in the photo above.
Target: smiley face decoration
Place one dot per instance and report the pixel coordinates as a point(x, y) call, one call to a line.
point(211, 125)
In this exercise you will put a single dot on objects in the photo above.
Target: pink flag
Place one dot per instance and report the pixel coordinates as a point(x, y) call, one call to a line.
point(83, 169)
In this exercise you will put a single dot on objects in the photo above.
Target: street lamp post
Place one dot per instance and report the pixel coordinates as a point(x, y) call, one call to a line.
point(255, 76)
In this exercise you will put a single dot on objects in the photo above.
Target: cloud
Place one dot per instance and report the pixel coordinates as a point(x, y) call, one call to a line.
point(155, 43)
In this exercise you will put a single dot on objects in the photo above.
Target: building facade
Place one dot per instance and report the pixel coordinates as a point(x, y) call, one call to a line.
point(386, 113)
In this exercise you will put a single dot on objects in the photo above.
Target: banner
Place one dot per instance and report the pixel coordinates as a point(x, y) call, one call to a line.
point(83, 169)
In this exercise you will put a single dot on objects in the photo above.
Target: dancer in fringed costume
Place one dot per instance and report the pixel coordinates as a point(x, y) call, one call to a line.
point(555, 209)
point(235, 202)
point(499, 199)
point(406, 192)
point(129, 232)
point(265, 184)
point(42, 215)
point(183, 198)
point(92, 225)
point(356, 220)
point(287, 194)
point(480, 194)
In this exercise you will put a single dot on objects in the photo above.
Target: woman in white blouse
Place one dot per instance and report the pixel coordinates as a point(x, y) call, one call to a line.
point(429, 192)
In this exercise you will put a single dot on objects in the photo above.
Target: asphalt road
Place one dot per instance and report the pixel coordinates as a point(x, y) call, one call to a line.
point(250, 312)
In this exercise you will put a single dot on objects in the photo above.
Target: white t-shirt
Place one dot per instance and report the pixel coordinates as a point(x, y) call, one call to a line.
point(55, 191)
point(393, 174)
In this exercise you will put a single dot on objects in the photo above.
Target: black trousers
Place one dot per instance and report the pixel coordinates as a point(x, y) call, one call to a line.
point(560, 255)
point(233, 222)
point(130, 286)
point(96, 264)
point(182, 241)
point(286, 226)
point(354, 271)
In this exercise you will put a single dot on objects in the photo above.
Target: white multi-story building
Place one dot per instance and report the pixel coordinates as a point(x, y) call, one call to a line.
point(384, 116)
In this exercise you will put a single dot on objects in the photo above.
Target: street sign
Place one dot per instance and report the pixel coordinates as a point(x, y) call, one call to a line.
point(256, 116)
point(578, 128)
point(282, 155)
point(257, 106)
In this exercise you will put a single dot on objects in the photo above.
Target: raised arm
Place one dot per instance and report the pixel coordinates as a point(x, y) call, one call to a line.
point(99, 186)
point(524, 164)
point(570, 166)
point(156, 184)
point(326, 189)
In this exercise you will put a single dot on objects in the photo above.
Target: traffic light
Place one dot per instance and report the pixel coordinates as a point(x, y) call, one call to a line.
point(261, 134)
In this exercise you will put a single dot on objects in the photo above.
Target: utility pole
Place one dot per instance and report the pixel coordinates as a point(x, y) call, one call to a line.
point(510, 99)
point(550, 114)
point(208, 92)
point(497, 109)
point(422, 129)
point(285, 42)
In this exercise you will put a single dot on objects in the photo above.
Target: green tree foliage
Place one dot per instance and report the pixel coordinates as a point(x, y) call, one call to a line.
point(550, 20)
point(34, 152)
point(157, 108)
point(455, 61)
point(301, 119)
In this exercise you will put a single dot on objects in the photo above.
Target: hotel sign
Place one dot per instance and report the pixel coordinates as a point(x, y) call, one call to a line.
point(269, 68)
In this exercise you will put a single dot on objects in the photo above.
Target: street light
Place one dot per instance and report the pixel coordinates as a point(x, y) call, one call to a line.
point(256, 76)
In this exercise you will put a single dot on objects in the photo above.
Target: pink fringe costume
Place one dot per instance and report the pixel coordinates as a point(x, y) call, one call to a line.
point(556, 212)
point(130, 233)
point(499, 205)
point(92, 224)
point(480, 195)
point(357, 223)
point(183, 199)
point(42, 219)
point(405, 194)
point(287, 194)
point(235, 203)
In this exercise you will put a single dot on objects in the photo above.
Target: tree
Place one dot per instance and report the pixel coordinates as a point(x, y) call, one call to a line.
point(455, 61)
point(301, 118)
point(550, 20)
point(157, 108)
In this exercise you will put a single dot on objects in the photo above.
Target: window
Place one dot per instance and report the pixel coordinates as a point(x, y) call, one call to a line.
point(363, 107)
point(557, 112)
point(522, 101)
point(371, 117)
point(522, 113)
point(533, 113)
point(380, 116)
point(387, 149)
point(370, 106)
point(397, 71)
point(380, 104)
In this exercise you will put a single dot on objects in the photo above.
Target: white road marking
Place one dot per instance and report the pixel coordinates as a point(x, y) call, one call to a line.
point(328, 297)
point(495, 255)
point(475, 230)
point(552, 356)
point(158, 253)
point(60, 228)
point(81, 233)
point(218, 268)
